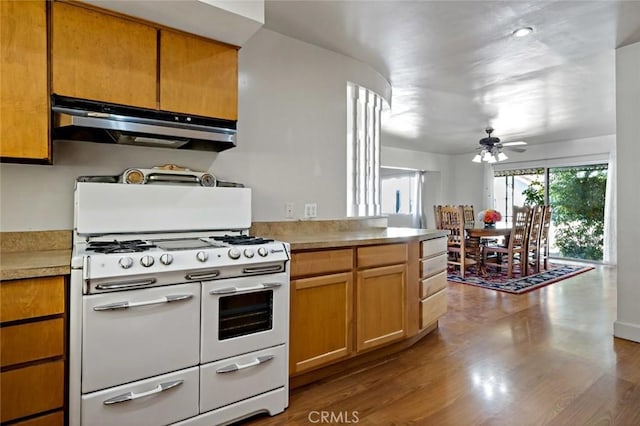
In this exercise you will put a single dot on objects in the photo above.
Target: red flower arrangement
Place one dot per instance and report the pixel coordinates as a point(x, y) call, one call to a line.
point(490, 216)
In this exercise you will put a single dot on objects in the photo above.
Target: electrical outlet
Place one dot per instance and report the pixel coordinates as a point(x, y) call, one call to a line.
point(310, 210)
point(288, 210)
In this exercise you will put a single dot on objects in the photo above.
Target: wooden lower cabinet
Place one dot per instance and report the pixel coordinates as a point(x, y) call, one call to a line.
point(433, 281)
point(380, 306)
point(32, 351)
point(321, 320)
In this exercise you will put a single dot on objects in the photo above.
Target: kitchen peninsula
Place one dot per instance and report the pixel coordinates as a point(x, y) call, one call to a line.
point(359, 291)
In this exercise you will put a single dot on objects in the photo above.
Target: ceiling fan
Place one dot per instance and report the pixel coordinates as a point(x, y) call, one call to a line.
point(490, 149)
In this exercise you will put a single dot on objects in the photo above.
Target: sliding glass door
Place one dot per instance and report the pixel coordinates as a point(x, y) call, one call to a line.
point(577, 195)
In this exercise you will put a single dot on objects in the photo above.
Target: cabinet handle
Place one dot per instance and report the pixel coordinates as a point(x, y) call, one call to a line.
point(237, 367)
point(231, 290)
point(126, 304)
point(130, 396)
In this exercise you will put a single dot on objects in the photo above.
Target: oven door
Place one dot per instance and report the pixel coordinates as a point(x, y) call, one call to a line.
point(132, 335)
point(241, 315)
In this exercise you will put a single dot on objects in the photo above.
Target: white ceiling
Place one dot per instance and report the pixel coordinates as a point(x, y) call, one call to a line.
point(455, 68)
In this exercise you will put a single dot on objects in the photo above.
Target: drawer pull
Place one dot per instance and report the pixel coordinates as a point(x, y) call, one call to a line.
point(231, 290)
point(196, 276)
point(126, 285)
point(127, 305)
point(262, 269)
point(236, 367)
point(130, 396)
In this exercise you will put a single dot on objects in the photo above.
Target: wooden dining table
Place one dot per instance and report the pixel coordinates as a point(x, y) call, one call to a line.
point(474, 242)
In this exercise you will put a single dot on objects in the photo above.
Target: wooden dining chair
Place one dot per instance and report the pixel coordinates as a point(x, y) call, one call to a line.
point(516, 249)
point(533, 239)
point(544, 236)
point(452, 219)
point(469, 216)
point(437, 215)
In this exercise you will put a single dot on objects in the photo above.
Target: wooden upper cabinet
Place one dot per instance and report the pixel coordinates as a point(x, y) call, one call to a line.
point(198, 76)
point(24, 105)
point(102, 57)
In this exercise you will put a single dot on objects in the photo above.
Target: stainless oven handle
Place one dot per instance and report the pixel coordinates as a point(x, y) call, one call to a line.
point(262, 269)
point(230, 290)
point(236, 367)
point(126, 284)
point(126, 305)
point(130, 396)
point(202, 275)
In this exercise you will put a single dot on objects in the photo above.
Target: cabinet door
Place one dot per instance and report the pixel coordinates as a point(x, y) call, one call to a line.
point(380, 306)
point(321, 311)
point(101, 57)
point(24, 106)
point(198, 76)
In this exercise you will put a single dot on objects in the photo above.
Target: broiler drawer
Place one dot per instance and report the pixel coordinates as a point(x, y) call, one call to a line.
point(235, 379)
point(157, 401)
point(433, 265)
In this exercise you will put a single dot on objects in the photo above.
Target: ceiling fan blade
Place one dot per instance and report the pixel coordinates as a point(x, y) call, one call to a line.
point(514, 149)
point(514, 143)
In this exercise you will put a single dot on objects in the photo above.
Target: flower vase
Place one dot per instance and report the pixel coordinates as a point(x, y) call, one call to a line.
point(489, 225)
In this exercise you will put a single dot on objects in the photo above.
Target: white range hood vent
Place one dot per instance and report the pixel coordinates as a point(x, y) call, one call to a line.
point(232, 22)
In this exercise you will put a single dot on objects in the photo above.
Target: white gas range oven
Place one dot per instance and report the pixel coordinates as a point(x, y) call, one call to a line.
point(176, 315)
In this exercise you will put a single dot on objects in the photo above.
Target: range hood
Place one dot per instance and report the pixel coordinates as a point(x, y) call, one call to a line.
point(84, 120)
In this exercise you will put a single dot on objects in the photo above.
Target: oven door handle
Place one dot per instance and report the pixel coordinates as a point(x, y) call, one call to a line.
point(231, 290)
point(127, 305)
point(126, 285)
point(237, 367)
point(130, 396)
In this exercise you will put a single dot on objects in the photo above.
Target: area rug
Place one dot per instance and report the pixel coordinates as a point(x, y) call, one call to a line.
point(498, 280)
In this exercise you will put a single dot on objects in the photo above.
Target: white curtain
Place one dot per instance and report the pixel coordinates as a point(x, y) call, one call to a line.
point(610, 227)
point(488, 202)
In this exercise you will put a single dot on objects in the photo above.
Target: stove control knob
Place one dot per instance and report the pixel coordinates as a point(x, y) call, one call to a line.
point(202, 256)
point(125, 262)
point(248, 253)
point(234, 253)
point(263, 252)
point(166, 259)
point(146, 261)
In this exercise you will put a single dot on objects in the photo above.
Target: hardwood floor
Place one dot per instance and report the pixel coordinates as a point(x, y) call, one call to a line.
point(545, 357)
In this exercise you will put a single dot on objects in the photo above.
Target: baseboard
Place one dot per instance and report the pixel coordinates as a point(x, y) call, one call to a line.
point(628, 331)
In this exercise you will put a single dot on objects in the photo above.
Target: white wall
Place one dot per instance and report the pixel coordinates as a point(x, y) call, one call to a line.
point(291, 141)
point(627, 325)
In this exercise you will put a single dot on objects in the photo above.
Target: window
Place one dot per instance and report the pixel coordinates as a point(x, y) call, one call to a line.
point(399, 193)
point(510, 188)
point(364, 109)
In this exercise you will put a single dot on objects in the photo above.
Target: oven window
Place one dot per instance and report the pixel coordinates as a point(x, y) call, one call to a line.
point(244, 314)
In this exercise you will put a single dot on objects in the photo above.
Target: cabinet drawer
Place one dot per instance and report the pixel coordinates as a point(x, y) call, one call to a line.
point(31, 298)
point(389, 254)
point(53, 419)
point(432, 285)
point(321, 262)
point(433, 308)
point(32, 341)
point(433, 247)
point(433, 265)
point(31, 390)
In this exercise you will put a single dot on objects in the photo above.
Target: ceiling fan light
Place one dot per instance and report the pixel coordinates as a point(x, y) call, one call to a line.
point(502, 156)
point(477, 159)
point(491, 159)
point(486, 155)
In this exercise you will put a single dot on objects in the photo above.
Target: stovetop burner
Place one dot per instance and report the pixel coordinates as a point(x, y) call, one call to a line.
point(240, 240)
point(115, 246)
